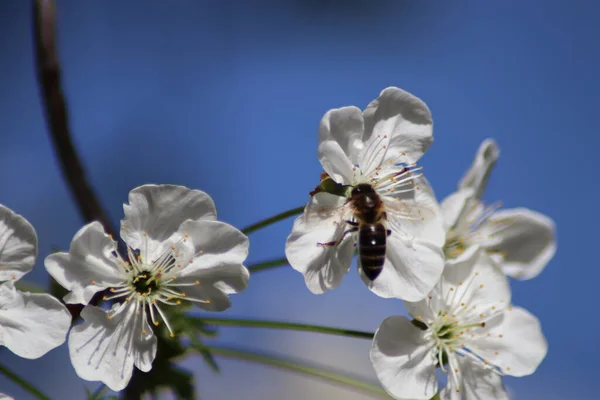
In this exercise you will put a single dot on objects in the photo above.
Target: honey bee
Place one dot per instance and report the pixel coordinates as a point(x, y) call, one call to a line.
point(369, 213)
point(369, 216)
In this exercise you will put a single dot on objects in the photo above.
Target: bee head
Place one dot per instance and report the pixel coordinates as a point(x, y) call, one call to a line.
point(362, 189)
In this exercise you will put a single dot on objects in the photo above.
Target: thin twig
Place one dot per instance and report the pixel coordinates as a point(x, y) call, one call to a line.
point(57, 116)
point(300, 367)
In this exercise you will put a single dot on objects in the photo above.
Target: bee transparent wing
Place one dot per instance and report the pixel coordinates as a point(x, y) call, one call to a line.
point(409, 210)
point(322, 209)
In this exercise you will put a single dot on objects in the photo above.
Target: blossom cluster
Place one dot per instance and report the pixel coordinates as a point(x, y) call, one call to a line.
point(449, 262)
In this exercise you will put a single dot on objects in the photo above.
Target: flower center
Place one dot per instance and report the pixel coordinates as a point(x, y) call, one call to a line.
point(154, 283)
point(145, 283)
point(473, 227)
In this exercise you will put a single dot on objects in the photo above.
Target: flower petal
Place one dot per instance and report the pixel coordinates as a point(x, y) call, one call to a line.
point(5, 397)
point(411, 269)
point(476, 383)
point(18, 244)
point(106, 350)
point(478, 174)
point(403, 360)
point(527, 241)
point(398, 127)
point(89, 266)
point(515, 343)
point(323, 221)
point(31, 324)
point(453, 206)
point(158, 211)
point(215, 243)
point(340, 140)
point(476, 283)
point(216, 269)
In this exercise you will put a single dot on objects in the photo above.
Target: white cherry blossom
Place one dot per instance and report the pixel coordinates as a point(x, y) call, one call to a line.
point(177, 252)
point(467, 327)
point(378, 147)
point(522, 241)
point(31, 324)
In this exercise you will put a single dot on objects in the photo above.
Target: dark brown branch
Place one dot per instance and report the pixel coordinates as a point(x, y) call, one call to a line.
point(57, 117)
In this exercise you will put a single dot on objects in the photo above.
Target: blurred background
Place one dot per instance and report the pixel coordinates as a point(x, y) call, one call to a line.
point(226, 96)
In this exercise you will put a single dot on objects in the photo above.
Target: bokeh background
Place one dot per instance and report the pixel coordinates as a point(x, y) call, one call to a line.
point(226, 96)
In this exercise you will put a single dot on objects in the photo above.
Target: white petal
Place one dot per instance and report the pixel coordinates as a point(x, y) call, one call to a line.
point(516, 336)
point(31, 324)
point(106, 350)
point(478, 174)
point(527, 241)
point(403, 360)
point(323, 221)
point(476, 383)
point(158, 211)
point(454, 205)
point(476, 283)
point(5, 397)
point(219, 249)
point(407, 123)
point(340, 140)
point(89, 266)
point(18, 245)
point(411, 269)
point(215, 243)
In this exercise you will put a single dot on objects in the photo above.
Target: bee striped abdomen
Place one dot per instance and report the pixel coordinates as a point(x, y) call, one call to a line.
point(372, 243)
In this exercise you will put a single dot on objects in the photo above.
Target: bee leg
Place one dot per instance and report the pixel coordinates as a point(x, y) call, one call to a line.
point(389, 232)
point(384, 215)
point(335, 243)
point(352, 223)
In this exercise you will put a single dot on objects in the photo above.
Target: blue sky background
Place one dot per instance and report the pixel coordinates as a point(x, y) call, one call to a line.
point(226, 97)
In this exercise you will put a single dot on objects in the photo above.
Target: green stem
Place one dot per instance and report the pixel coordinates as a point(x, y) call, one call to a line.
point(98, 392)
point(286, 364)
point(272, 220)
point(279, 262)
point(251, 323)
point(23, 383)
